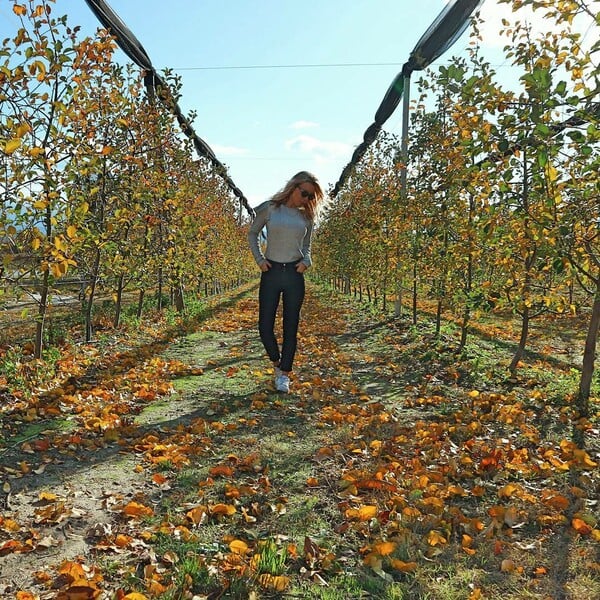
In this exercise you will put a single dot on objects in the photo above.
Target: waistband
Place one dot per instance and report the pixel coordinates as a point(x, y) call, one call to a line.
point(287, 265)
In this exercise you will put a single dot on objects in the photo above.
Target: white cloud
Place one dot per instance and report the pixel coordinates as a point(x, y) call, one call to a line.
point(303, 125)
point(321, 150)
point(228, 150)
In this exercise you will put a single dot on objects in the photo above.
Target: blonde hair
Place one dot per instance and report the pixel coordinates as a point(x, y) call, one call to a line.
point(311, 208)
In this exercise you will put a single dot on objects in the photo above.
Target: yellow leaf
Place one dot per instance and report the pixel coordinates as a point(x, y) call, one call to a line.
point(19, 10)
point(238, 547)
point(12, 145)
point(36, 151)
point(47, 496)
point(364, 513)
point(22, 129)
point(35, 243)
point(508, 490)
point(135, 596)
point(275, 582)
point(71, 231)
point(583, 458)
point(435, 537)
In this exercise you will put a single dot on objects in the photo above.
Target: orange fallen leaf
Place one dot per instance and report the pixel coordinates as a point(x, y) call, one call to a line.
point(159, 478)
point(508, 490)
point(223, 510)
point(221, 471)
point(581, 527)
point(136, 509)
point(197, 515)
point(511, 516)
point(478, 491)
point(122, 541)
point(79, 591)
point(557, 501)
point(403, 567)
point(384, 548)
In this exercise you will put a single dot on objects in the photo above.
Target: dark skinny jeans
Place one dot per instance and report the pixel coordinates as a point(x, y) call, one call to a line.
point(280, 281)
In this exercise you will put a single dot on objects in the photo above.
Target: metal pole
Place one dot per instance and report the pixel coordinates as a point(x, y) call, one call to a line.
point(404, 140)
point(403, 179)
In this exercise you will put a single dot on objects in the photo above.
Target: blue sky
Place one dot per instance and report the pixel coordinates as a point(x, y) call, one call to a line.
point(266, 124)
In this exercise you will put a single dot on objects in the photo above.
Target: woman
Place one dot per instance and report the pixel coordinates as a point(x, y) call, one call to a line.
point(289, 219)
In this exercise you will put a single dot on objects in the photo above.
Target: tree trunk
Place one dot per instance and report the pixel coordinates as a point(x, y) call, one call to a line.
point(89, 298)
point(45, 289)
point(438, 317)
point(522, 342)
point(178, 297)
point(589, 357)
point(464, 327)
point(159, 300)
point(466, 318)
point(140, 307)
point(41, 317)
point(119, 302)
point(414, 294)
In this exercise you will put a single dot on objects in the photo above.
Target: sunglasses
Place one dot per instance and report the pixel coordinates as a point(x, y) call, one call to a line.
point(306, 194)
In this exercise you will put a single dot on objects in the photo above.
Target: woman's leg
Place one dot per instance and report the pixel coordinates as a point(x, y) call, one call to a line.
point(293, 296)
point(268, 301)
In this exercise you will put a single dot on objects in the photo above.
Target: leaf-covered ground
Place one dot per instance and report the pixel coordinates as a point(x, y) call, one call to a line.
point(160, 463)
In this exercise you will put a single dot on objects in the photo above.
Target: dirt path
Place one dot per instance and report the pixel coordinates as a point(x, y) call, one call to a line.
point(71, 498)
point(369, 446)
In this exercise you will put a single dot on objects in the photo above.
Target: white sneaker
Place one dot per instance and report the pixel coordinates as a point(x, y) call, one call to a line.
point(282, 383)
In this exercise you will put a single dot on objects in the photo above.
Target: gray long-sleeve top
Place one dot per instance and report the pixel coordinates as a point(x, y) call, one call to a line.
point(289, 234)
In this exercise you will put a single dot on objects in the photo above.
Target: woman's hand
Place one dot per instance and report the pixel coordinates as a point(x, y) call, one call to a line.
point(265, 266)
point(301, 267)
